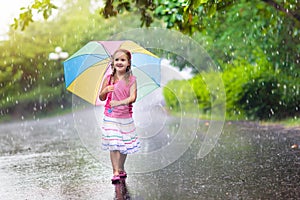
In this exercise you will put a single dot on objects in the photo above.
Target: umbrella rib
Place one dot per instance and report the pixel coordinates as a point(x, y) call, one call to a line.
point(140, 69)
point(106, 50)
point(95, 64)
point(94, 55)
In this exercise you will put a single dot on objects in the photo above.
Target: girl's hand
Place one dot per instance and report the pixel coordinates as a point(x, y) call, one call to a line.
point(105, 88)
point(114, 103)
point(109, 88)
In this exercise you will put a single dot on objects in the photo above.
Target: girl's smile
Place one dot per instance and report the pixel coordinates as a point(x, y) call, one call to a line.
point(121, 62)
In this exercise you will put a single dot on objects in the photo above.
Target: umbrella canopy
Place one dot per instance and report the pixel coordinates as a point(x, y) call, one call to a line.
point(85, 69)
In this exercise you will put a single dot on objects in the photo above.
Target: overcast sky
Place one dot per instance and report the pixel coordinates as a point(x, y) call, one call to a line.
point(10, 10)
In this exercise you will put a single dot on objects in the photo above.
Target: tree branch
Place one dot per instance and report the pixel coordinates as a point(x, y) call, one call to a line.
point(279, 7)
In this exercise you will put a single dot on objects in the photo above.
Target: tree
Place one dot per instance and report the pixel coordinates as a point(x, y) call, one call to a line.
point(32, 84)
point(183, 15)
point(256, 34)
point(248, 28)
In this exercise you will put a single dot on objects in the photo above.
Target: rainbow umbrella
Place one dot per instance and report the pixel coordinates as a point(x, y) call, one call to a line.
point(85, 69)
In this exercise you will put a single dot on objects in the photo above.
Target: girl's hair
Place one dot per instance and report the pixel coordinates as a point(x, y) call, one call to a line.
point(128, 69)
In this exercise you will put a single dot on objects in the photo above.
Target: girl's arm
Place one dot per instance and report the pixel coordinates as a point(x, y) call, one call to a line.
point(105, 89)
point(129, 100)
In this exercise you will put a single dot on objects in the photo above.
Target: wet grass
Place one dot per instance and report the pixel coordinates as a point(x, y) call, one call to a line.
point(288, 123)
point(291, 122)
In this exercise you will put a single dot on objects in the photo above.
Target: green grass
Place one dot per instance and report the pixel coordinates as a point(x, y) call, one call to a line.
point(289, 123)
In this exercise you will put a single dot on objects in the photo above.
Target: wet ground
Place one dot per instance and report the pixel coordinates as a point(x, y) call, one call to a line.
point(45, 159)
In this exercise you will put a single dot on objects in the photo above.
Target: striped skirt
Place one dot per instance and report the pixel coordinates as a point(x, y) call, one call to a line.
point(119, 134)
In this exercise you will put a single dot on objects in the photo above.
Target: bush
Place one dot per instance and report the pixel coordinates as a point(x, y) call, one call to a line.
point(271, 97)
point(196, 95)
point(253, 91)
point(180, 96)
point(234, 77)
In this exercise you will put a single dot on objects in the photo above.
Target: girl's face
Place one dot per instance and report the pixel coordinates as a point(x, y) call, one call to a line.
point(121, 62)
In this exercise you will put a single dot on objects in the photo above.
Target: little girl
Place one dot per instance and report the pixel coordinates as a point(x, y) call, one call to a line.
point(119, 89)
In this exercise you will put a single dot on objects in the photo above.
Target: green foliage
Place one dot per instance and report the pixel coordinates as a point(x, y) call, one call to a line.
point(186, 16)
point(33, 83)
point(193, 95)
point(180, 96)
point(202, 93)
point(238, 74)
point(190, 16)
point(255, 43)
point(248, 26)
point(254, 91)
point(30, 83)
point(143, 8)
point(170, 11)
point(252, 42)
point(271, 96)
point(40, 6)
point(170, 96)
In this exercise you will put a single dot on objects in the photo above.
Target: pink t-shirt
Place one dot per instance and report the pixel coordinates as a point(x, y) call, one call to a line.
point(121, 91)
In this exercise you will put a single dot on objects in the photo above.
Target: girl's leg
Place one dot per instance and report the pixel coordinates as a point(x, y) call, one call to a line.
point(115, 161)
point(122, 161)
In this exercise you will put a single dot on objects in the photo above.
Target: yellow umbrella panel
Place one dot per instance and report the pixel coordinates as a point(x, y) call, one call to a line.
point(87, 84)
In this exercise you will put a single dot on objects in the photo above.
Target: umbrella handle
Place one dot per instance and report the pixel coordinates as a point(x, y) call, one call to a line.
point(110, 110)
point(109, 83)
